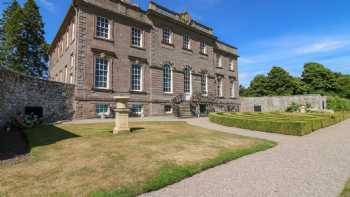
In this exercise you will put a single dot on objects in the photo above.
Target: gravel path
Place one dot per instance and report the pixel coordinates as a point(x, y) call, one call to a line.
point(316, 165)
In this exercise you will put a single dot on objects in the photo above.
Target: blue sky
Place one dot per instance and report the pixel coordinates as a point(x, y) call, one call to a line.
point(268, 33)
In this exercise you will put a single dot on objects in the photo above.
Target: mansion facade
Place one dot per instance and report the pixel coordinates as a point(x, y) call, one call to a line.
point(113, 48)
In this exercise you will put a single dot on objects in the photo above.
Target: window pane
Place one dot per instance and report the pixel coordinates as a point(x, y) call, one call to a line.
point(101, 73)
point(167, 35)
point(187, 80)
point(136, 37)
point(101, 108)
point(102, 27)
point(167, 78)
point(136, 77)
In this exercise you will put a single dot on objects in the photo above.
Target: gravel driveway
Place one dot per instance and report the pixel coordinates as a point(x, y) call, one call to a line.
point(314, 165)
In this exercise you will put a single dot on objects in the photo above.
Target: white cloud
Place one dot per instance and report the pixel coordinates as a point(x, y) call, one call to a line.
point(320, 47)
point(48, 5)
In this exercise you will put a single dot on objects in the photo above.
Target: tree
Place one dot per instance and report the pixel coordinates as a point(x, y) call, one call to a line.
point(343, 82)
point(11, 51)
point(279, 82)
point(319, 79)
point(258, 86)
point(35, 45)
point(243, 91)
point(300, 87)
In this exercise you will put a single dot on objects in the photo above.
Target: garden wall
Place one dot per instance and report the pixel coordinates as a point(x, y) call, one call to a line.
point(280, 103)
point(21, 93)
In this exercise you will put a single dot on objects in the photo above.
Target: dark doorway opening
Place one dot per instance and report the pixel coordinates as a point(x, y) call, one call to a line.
point(37, 111)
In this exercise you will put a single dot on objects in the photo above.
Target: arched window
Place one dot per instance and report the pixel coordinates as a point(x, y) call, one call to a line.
point(187, 80)
point(167, 78)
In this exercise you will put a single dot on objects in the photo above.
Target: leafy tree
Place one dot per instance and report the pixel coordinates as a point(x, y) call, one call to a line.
point(258, 86)
point(279, 82)
point(243, 91)
point(319, 79)
point(343, 82)
point(36, 47)
point(300, 87)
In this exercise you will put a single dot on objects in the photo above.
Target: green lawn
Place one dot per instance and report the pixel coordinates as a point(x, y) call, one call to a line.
point(346, 191)
point(88, 160)
point(285, 123)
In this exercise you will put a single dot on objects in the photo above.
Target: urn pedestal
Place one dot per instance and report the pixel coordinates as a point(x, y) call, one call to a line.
point(121, 115)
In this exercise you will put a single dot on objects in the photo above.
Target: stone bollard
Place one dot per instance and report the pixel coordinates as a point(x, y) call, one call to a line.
point(121, 115)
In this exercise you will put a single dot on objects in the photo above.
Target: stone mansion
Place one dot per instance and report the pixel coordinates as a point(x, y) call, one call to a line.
point(110, 48)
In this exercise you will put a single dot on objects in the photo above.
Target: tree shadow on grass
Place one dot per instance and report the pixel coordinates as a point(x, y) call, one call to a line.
point(46, 135)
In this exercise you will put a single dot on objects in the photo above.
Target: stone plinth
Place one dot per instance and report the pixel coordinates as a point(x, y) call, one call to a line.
point(121, 115)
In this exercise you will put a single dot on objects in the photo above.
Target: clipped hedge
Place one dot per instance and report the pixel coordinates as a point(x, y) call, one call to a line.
point(285, 123)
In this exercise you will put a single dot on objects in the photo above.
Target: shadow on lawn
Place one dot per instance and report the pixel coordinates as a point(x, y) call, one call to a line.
point(46, 135)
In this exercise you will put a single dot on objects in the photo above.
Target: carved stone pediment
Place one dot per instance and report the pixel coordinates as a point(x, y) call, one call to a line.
point(185, 17)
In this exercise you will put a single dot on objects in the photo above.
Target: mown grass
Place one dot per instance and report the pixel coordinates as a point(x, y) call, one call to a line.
point(346, 191)
point(88, 160)
point(298, 124)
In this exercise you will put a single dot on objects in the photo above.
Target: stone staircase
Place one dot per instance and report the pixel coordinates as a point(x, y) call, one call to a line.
point(185, 110)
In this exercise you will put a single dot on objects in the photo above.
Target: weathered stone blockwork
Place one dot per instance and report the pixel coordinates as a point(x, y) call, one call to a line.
point(152, 55)
point(18, 92)
point(280, 103)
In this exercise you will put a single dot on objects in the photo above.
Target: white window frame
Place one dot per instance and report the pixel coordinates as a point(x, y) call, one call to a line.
point(95, 72)
point(189, 78)
point(205, 76)
point(232, 64)
point(73, 31)
point(139, 39)
point(233, 90)
point(102, 33)
point(140, 79)
point(66, 74)
point(98, 105)
point(171, 79)
point(72, 65)
point(220, 61)
point(169, 37)
point(137, 113)
point(186, 41)
point(203, 47)
point(67, 38)
point(220, 86)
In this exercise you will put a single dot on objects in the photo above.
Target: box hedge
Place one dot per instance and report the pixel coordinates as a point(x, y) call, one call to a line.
point(285, 123)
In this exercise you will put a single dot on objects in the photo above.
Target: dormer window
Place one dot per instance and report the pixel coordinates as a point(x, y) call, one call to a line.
point(167, 36)
point(102, 27)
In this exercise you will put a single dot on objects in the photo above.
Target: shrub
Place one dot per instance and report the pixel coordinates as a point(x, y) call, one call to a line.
point(338, 104)
point(285, 123)
point(294, 107)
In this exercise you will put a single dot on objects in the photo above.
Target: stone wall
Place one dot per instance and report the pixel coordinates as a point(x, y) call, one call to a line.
point(280, 103)
point(18, 92)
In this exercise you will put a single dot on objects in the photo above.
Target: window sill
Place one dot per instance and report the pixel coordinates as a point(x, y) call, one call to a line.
point(137, 47)
point(102, 90)
point(137, 92)
point(204, 54)
point(188, 50)
point(104, 39)
point(168, 44)
point(220, 97)
point(233, 97)
point(219, 67)
point(168, 93)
